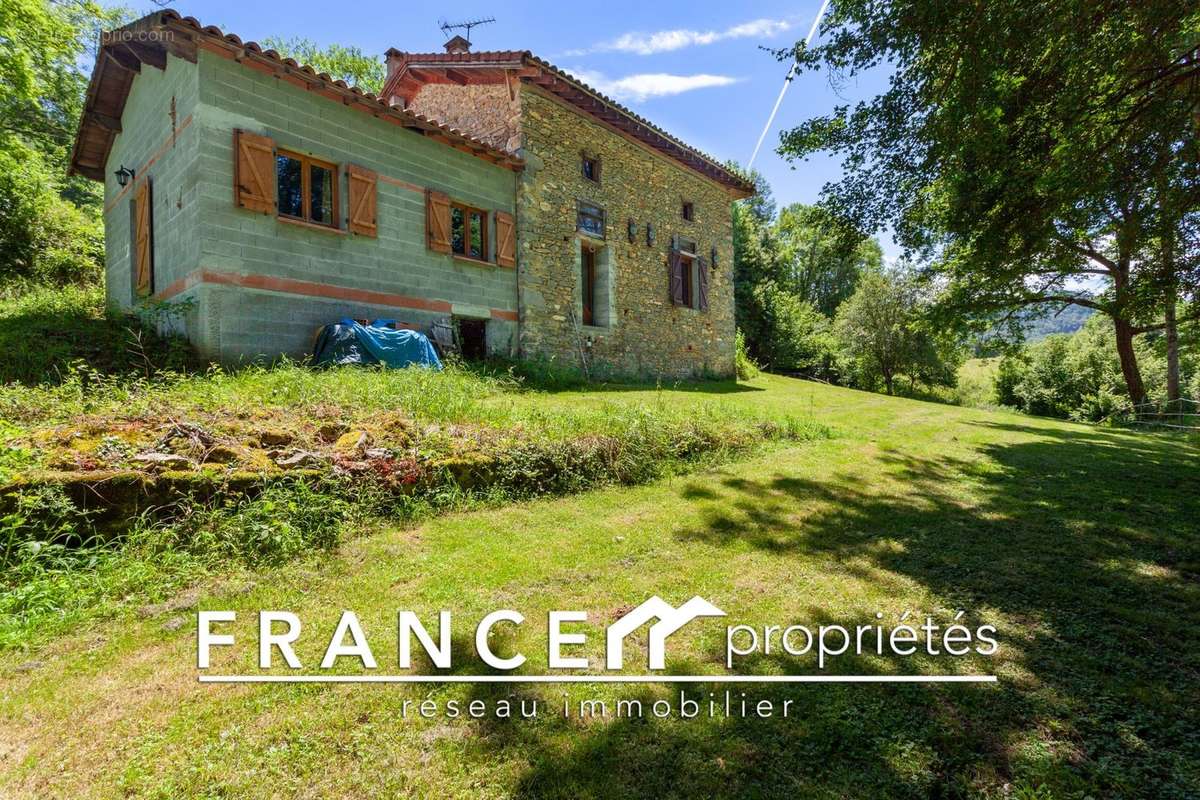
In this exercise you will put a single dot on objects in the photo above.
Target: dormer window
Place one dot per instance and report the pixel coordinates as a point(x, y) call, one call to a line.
point(689, 211)
point(591, 168)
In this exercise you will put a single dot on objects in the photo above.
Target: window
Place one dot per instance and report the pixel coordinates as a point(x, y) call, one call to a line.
point(306, 188)
point(588, 284)
point(689, 211)
point(590, 220)
point(591, 168)
point(468, 232)
point(686, 277)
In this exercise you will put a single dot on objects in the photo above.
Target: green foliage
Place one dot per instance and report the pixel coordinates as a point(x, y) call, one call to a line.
point(793, 335)
point(50, 227)
point(1023, 152)
point(45, 330)
point(343, 63)
point(883, 335)
point(43, 237)
point(822, 262)
point(1078, 376)
point(744, 365)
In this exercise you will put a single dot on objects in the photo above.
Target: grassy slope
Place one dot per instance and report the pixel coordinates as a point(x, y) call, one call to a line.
point(1079, 544)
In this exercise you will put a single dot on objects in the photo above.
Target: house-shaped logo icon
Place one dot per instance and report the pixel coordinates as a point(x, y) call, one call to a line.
point(670, 619)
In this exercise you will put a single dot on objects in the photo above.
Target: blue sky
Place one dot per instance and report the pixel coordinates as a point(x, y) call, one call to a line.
point(695, 68)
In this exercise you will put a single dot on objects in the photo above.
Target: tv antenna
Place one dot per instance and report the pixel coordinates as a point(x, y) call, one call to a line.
point(464, 26)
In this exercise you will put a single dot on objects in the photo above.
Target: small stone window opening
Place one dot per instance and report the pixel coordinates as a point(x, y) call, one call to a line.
point(591, 168)
point(689, 211)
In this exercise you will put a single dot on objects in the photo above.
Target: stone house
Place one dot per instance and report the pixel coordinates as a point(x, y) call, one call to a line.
point(485, 193)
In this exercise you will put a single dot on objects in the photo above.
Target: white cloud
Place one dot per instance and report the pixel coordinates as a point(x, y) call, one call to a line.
point(645, 44)
point(650, 84)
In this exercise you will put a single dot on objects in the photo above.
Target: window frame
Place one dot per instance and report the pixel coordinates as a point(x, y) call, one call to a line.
point(600, 214)
point(688, 256)
point(688, 211)
point(484, 237)
point(595, 161)
point(587, 288)
point(306, 164)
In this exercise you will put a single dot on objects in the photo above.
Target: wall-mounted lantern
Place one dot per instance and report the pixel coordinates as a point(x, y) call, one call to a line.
point(713, 260)
point(650, 234)
point(124, 175)
point(633, 231)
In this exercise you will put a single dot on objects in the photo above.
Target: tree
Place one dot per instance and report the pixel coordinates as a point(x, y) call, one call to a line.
point(821, 263)
point(1021, 152)
point(49, 224)
point(348, 64)
point(883, 335)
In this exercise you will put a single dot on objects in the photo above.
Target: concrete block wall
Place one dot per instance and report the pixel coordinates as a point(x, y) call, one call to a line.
point(165, 149)
point(234, 323)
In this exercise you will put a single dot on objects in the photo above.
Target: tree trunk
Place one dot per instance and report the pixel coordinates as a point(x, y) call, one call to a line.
point(1172, 293)
point(1129, 364)
point(1173, 392)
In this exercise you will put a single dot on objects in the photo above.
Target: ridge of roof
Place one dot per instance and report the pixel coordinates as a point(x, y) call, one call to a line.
point(170, 18)
point(521, 57)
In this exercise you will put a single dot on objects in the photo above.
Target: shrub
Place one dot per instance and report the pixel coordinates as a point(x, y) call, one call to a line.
point(44, 238)
point(1078, 375)
point(744, 365)
point(44, 329)
point(796, 337)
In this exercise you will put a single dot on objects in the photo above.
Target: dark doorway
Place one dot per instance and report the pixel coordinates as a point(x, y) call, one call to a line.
point(472, 339)
point(588, 285)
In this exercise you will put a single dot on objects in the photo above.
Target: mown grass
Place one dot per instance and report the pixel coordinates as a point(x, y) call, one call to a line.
point(1079, 544)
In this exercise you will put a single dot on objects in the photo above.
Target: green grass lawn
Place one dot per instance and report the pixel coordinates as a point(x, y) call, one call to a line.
point(1079, 544)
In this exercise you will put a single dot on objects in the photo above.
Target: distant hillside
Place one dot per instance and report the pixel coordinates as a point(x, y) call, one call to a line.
point(1042, 323)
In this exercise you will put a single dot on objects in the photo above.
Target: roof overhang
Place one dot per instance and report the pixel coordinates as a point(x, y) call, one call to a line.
point(410, 71)
point(147, 42)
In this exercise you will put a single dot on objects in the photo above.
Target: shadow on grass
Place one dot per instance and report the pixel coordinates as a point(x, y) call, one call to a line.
point(1087, 542)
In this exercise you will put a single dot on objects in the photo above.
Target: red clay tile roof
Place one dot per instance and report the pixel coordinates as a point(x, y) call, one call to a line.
point(582, 96)
point(121, 58)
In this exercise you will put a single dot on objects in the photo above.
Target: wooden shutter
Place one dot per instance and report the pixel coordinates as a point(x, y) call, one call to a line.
point(506, 240)
point(702, 284)
point(437, 221)
point(676, 266)
point(254, 171)
point(363, 189)
point(143, 241)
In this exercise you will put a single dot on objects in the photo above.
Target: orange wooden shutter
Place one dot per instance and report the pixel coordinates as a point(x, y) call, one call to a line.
point(143, 255)
point(437, 221)
point(506, 240)
point(363, 184)
point(254, 171)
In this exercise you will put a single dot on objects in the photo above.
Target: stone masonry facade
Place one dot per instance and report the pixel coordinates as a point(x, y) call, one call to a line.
point(639, 332)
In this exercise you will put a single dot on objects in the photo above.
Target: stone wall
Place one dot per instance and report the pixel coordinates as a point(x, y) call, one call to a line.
point(489, 112)
point(643, 334)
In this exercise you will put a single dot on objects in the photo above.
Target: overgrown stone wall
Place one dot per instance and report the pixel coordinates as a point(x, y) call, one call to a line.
point(489, 112)
point(641, 333)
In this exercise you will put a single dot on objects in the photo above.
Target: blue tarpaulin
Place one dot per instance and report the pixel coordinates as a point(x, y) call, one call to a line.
point(348, 342)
